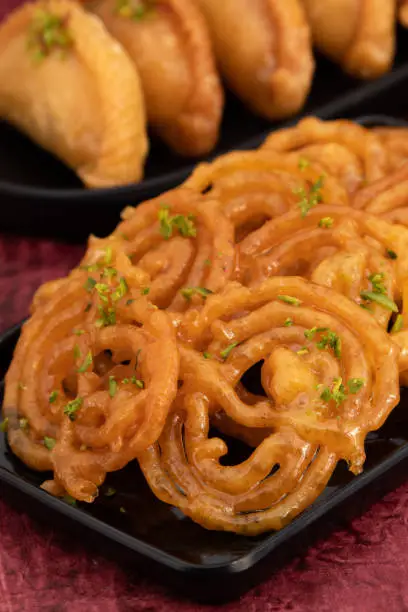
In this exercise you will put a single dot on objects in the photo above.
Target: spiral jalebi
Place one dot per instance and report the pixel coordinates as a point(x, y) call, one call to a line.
point(83, 394)
point(264, 302)
point(319, 403)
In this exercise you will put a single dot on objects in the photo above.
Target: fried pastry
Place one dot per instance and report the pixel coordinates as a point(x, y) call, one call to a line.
point(264, 51)
point(67, 84)
point(360, 154)
point(357, 34)
point(170, 45)
point(403, 13)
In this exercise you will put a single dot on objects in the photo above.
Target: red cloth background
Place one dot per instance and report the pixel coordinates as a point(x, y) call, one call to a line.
point(362, 568)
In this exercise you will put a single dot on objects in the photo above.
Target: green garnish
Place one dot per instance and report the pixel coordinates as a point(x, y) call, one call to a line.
point(391, 254)
point(87, 362)
point(122, 510)
point(4, 425)
point(108, 256)
point(49, 443)
point(129, 302)
point(136, 9)
point(48, 33)
point(88, 307)
point(72, 408)
point(23, 423)
point(184, 224)
point(288, 299)
point(109, 273)
point(225, 353)
point(398, 324)
point(79, 332)
point(207, 355)
point(326, 222)
point(110, 492)
point(330, 340)
point(379, 298)
point(303, 351)
point(113, 385)
point(68, 499)
point(338, 392)
point(53, 397)
point(121, 290)
point(377, 281)
point(188, 292)
point(107, 317)
point(102, 289)
point(77, 352)
point(145, 291)
point(355, 384)
point(303, 163)
point(288, 323)
point(207, 262)
point(21, 386)
point(309, 199)
point(89, 284)
point(134, 381)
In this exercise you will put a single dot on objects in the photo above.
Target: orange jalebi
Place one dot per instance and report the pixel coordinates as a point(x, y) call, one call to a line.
point(264, 301)
point(320, 402)
point(83, 394)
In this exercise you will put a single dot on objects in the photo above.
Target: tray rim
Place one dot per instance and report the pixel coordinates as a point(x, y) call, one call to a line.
point(248, 560)
point(104, 196)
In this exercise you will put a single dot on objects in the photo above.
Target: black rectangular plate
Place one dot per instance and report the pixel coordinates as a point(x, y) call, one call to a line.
point(40, 196)
point(204, 565)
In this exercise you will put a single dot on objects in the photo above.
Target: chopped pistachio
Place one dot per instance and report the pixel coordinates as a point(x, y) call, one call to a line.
point(288, 299)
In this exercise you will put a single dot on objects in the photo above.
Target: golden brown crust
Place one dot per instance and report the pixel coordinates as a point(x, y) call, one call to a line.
point(357, 34)
point(86, 108)
point(172, 50)
point(403, 13)
point(264, 51)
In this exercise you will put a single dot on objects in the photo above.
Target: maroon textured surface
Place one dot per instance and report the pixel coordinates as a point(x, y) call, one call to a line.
point(362, 568)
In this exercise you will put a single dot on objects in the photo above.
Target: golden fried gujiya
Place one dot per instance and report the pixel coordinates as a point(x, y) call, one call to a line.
point(357, 34)
point(67, 84)
point(264, 51)
point(169, 43)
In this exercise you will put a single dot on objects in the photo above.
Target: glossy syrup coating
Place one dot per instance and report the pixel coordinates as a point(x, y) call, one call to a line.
point(84, 395)
point(68, 85)
point(319, 404)
point(181, 240)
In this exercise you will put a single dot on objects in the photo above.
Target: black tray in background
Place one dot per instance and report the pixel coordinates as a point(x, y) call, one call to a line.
point(40, 196)
point(204, 565)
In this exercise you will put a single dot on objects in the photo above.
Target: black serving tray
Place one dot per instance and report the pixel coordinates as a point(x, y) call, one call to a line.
point(40, 196)
point(207, 566)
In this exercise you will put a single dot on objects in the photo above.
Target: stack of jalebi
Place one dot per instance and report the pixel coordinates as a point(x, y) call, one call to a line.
point(265, 301)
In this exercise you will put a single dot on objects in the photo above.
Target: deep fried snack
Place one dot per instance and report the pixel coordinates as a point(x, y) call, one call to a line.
point(255, 186)
point(83, 395)
point(169, 42)
point(361, 160)
point(357, 34)
point(357, 254)
point(403, 12)
point(264, 51)
point(395, 142)
point(386, 198)
point(320, 403)
point(181, 240)
point(67, 84)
